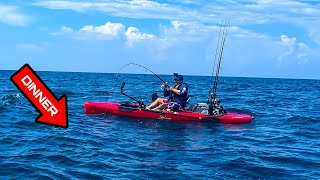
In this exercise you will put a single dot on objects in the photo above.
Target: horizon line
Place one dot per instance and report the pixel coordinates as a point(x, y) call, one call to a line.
point(92, 72)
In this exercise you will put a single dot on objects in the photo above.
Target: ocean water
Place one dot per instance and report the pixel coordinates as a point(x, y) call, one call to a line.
point(283, 142)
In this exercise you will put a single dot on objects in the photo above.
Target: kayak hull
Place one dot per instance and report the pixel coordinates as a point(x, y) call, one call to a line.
point(131, 110)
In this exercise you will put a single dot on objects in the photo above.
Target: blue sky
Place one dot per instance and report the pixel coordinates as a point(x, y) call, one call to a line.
point(268, 38)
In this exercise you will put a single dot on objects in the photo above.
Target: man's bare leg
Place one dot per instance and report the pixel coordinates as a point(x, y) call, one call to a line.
point(161, 107)
point(156, 103)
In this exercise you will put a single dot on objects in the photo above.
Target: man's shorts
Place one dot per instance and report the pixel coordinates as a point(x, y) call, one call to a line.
point(174, 106)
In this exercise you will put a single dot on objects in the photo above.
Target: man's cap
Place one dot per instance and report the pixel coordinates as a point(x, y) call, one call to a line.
point(177, 77)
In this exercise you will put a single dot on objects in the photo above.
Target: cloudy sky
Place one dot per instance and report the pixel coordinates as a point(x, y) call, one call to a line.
point(267, 38)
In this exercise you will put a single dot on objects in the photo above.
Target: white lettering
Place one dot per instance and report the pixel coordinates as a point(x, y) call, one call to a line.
point(38, 94)
point(40, 97)
point(29, 87)
point(24, 82)
point(53, 110)
point(46, 104)
point(35, 92)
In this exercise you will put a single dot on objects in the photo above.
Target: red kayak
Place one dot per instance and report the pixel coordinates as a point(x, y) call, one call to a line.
point(134, 111)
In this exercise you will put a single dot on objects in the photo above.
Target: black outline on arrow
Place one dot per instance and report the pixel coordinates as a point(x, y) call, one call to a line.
point(63, 96)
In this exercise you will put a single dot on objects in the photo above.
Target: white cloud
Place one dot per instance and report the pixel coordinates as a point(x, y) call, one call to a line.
point(195, 43)
point(292, 50)
point(134, 35)
point(108, 31)
point(286, 41)
point(243, 48)
point(131, 9)
point(192, 32)
point(10, 15)
point(76, 6)
point(240, 12)
point(191, 36)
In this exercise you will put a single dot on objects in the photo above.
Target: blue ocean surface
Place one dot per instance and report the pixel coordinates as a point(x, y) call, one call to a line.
point(283, 142)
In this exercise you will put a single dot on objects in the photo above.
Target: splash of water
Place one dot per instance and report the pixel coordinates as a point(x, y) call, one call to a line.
point(9, 99)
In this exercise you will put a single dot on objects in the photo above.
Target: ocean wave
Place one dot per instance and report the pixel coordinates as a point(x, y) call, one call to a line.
point(9, 99)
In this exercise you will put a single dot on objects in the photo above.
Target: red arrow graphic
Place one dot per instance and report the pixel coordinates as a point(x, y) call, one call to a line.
point(52, 111)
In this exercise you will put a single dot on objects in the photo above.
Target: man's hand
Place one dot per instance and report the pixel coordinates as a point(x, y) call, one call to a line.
point(164, 85)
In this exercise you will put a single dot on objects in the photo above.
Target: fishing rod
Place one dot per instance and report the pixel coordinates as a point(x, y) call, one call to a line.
point(214, 62)
point(141, 104)
point(225, 31)
point(138, 101)
point(221, 42)
point(136, 64)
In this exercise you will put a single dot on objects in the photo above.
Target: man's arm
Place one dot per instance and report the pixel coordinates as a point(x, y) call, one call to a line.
point(175, 90)
point(183, 90)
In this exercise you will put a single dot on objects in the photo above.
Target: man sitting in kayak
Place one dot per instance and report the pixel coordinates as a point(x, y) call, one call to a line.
point(178, 95)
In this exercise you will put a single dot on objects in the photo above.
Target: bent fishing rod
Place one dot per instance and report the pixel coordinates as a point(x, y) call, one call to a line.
point(141, 104)
point(136, 64)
